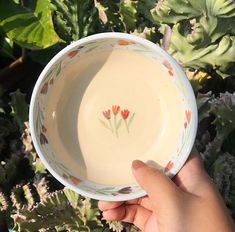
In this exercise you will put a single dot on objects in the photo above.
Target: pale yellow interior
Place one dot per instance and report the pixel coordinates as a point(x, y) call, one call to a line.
point(95, 83)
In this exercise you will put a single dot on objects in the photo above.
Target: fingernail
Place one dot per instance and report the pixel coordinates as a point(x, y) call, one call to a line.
point(136, 164)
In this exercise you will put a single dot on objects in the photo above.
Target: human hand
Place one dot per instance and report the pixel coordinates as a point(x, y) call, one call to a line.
point(187, 203)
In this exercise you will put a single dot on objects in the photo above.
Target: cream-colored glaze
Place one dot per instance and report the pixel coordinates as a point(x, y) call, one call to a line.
point(94, 83)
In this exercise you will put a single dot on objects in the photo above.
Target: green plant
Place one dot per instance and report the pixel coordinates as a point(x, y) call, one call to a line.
point(199, 34)
point(202, 32)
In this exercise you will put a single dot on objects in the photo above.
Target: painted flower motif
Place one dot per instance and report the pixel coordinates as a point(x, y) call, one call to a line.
point(185, 125)
point(169, 67)
point(170, 73)
point(114, 125)
point(44, 88)
point(188, 115)
point(125, 190)
point(51, 82)
point(123, 42)
point(74, 180)
point(169, 166)
point(43, 139)
point(73, 53)
point(107, 114)
point(65, 176)
point(44, 129)
point(125, 114)
point(115, 109)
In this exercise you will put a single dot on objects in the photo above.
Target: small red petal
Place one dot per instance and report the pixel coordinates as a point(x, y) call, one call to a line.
point(167, 64)
point(75, 180)
point(44, 129)
point(171, 73)
point(72, 53)
point(188, 114)
point(169, 166)
point(44, 88)
point(123, 42)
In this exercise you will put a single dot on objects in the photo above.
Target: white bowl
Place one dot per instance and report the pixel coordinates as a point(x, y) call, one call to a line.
point(104, 101)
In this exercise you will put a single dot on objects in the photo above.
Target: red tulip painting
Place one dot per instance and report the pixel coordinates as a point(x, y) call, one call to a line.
point(113, 120)
point(125, 114)
point(107, 114)
point(115, 109)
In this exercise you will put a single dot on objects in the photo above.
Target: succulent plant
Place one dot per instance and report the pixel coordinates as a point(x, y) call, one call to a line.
point(202, 32)
point(215, 141)
point(62, 210)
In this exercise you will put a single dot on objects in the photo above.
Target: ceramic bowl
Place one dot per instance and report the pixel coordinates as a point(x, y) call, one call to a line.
point(88, 125)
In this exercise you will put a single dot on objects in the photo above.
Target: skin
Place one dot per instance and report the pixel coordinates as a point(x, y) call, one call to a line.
point(189, 202)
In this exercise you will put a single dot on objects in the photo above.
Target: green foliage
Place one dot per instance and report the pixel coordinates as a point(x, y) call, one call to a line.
point(224, 110)
point(6, 47)
point(196, 26)
point(128, 14)
point(30, 28)
point(74, 19)
point(217, 114)
point(200, 35)
point(20, 108)
point(62, 210)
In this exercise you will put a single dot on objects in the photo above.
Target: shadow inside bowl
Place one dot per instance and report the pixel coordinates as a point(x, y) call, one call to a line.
point(63, 109)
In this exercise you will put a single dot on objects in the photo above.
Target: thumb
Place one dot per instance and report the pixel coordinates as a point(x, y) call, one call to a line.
point(157, 185)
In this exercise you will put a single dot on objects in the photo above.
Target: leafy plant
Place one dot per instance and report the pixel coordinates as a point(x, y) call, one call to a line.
point(202, 32)
point(30, 27)
point(215, 142)
point(199, 34)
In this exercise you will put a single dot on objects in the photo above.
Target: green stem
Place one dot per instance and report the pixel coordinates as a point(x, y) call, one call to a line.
point(111, 126)
point(127, 128)
point(115, 125)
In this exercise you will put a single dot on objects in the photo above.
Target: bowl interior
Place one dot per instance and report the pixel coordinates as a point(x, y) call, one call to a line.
point(102, 103)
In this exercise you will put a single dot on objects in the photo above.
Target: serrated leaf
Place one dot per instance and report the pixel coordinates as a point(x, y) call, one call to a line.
point(39, 167)
point(74, 19)
point(3, 202)
point(72, 197)
point(223, 108)
point(32, 29)
point(102, 12)
point(42, 188)
point(203, 105)
point(145, 6)
point(28, 196)
point(146, 33)
point(19, 108)
point(115, 226)
point(111, 10)
point(128, 14)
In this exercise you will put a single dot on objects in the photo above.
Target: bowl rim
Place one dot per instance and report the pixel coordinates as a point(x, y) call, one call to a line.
point(111, 35)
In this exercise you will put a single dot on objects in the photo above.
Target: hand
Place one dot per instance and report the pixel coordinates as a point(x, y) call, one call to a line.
point(187, 203)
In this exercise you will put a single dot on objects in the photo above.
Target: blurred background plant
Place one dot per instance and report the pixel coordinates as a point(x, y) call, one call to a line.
point(199, 34)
